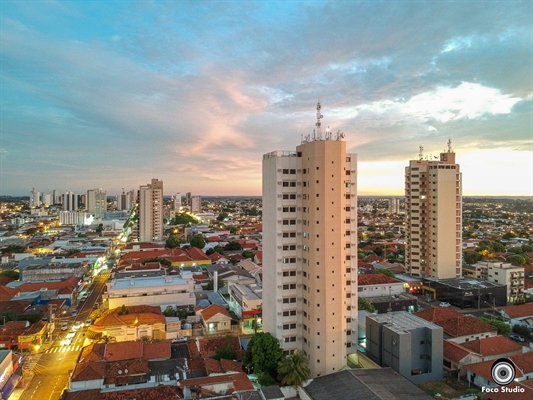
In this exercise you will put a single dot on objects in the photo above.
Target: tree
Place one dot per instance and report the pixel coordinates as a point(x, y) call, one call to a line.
point(248, 254)
point(173, 241)
point(517, 259)
point(162, 261)
point(526, 248)
point(364, 304)
point(123, 310)
point(99, 229)
point(146, 339)
point(233, 246)
point(265, 379)
point(263, 354)
point(508, 235)
point(169, 312)
point(107, 339)
point(389, 235)
point(471, 257)
point(71, 252)
point(11, 274)
point(225, 352)
point(523, 330)
point(197, 241)
point(95, 315)
point(503, 328)
point(293, 370)
point(211, 284)
point(13, 248)
point(384, 272)
point(183, 219)
point(222, 216)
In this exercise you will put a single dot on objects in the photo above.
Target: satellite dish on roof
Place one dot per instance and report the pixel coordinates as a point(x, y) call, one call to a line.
point(120, 372)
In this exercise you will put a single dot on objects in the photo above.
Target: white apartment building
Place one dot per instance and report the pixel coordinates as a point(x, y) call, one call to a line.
point(196, 204)
point(75, 218)
point(505, 274)
point(96, 202)
point(70, 201)
point(310, 250)
point(177, 201)
point(151, 211)
point(151, 290)
point(433, 207)
point(35, 198)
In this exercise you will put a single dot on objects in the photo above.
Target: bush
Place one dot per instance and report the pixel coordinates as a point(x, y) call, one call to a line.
point(523, 331)
point(503, 328)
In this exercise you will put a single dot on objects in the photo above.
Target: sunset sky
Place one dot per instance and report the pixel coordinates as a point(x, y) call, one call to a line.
point(111, 94)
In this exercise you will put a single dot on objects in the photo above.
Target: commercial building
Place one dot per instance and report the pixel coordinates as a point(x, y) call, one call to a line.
point(96, 202)
point(310, 249)
point(433, 207)
point(504, 273)
point(151, 211)
point(70, 201)
point(408, 344)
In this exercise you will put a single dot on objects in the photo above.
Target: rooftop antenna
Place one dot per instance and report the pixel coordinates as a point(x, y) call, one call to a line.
point(421, 152)
point(450, 145)
point(319, 116)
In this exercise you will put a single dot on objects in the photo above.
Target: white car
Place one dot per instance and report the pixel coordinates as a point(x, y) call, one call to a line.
point(180, 339)
point(71, 335)
point(444, 304)
point(77, 325)
point(66, 342)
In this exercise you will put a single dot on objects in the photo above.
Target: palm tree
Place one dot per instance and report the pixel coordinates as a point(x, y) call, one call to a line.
point(107, 339)
point(293, 370)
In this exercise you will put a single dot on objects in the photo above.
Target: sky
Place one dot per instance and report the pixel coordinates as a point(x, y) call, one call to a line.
point(98, 94)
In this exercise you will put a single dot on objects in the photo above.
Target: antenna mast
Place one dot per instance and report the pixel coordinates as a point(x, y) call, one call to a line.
point(450, 146)
point(319, 116)
point(421, 152)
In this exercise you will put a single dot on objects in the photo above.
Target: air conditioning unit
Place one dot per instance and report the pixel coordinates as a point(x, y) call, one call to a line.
point(279, 286)
point(279, 247)
point(298, 170)
point(279, 208)
point(279, 326)
point(279, 300)
point(279, 170)
point(280, 260)
point(279, 313)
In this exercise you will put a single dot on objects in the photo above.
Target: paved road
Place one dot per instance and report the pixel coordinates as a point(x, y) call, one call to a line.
point(52, 367)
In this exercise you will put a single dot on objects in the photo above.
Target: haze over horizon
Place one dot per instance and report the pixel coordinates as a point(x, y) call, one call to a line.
point(111, 95)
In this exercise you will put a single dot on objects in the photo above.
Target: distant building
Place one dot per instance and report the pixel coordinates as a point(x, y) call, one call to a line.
point(54, 271)
point(408, 344)
point(151, 211)
point(35, 198)
point(196, 204)
point(433, 207)
point(177, 201)
point(70, 201)
point(96, 204)
point(75, 218)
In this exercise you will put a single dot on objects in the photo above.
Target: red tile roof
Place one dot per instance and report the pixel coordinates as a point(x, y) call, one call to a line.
point(493, 346)
point(454, 323)
point(525, 393)
point(437, 314)
point(7, 293)
point(230, 366)
point(212, 366)
point(123, 351)
point(375, 279)
point(240, 381)
point(121, 370)
point(156, 350)
point(213, 310)
point(454, 352)
point(216, 256)
point(520, 311)
point(161, 392)
point(88, 371)
point(136, 314)
point(17, 306)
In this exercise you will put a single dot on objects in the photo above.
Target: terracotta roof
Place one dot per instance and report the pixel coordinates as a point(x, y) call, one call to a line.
point(65, 286)
point(196, 254)
point(155, 350)
point(17, 306)
point(216, 256)
point(144, 245)
point(520, 311)
point(493, 345)
point(375, 279)
point(7, 293)
point(88, 371)
point(212, 366)
point(4, 280)
point(239, 380)
point(93, 352)
point(464, 326)
point(152, 393)
point(208, 347)
point(230, 366)
point(91, 394)
point(123, 369)
point(142, 314)
point(437, 314)
point(123, 351)
point(454, 352)
point(213, 310)
point(526, 392)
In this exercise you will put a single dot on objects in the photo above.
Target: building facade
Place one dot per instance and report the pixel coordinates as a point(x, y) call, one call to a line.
point(196, 204)
point(433, 207)
point(96, 202)
point(70, 202)
point(151, 211)
point(504, 273)
point(310, 250)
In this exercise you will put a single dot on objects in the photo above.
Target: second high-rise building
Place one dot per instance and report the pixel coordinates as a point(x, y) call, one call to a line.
point(151, 211)
point(310, 250)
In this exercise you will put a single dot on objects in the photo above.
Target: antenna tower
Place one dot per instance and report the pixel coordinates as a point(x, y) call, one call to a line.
point(319, 116)
point(421, 152)
point(450, 146)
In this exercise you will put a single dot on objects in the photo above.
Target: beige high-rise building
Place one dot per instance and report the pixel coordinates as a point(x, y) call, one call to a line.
point(433, 208)
point(96, 202)
point(151, 211)
point(310, 250)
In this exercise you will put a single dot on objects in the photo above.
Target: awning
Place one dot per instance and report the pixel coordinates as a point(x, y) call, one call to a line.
point(11, 383)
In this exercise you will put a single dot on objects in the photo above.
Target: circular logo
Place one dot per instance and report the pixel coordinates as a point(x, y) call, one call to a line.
point(503, 371)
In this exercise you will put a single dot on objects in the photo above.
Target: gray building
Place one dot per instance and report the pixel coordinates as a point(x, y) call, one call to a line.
point(54, 271)
point(408, 344)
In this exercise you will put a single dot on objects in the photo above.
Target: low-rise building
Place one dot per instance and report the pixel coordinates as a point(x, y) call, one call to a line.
point(480, 373)
point(408, 344)
point(520, 314)
point(215, 319)
point(246, 301)
point(504, 273)
point(10, 372)
point(54, 271)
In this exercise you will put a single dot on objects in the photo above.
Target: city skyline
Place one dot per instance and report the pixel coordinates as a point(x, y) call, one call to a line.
point(193, 94)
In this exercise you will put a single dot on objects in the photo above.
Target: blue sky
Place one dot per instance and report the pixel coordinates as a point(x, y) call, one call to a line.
point(112, 94)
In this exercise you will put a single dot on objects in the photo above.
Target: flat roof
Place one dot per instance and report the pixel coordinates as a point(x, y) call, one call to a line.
point(465, 283)
point(402, 321)
point(147, 281)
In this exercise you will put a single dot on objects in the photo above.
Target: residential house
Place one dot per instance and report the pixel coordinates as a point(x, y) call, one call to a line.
point(215, 319)
point(518, 315)
point(480, 373)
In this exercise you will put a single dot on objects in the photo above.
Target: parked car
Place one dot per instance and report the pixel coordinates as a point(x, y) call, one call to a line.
point(180, 339)
point(74, 312)
point(64, 326)
point(444, 304)
point(96, 305)
point(468, 396)
point(71, 335)
point(77, 325)
point(516, 337)
point(89, 322)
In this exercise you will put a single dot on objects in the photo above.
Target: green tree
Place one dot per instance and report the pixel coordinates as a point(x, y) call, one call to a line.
point(13, 248)
point(233, 261)
point(183, 219)
point(197, 241)
point(384, 272)
point(162, 261)
point(146, 339)
point(222, 216)
point(211, 284)
point(389, 235)
point(498, 247)
point(173, 241)
point(265, 379)
point(523, 330)
point(107, 339)
point(293, 370)
point(11, 274)
point(169, 311)
point(248, 254)
point(508, 235)
point(123, 310)
point(99, 229)
point(526, 248)
point(364, 304)
point(31, 231)
point(252, 211)
point(471, 257)
point(225, 352)
point(233, 246)
point(95, 315)
point(516, 250)
point(8, 316)
point(263, 354)
point(517, 259)
point(503, 328)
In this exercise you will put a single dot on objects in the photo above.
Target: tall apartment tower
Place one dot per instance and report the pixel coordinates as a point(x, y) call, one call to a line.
point(310, 250)
point(151, 211)
point(96, 202)
point(177, 201)
point(196, 204)
point(188, 199)
point(433, 209)
point(70, 202)
point(35, 198)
